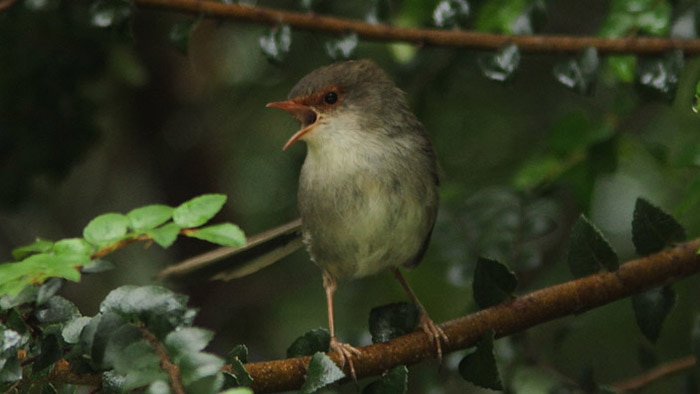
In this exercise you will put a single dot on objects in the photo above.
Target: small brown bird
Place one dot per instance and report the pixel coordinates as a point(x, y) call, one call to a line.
point(368, 189)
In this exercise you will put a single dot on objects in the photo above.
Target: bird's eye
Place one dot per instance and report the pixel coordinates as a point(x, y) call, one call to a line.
point(330, 97)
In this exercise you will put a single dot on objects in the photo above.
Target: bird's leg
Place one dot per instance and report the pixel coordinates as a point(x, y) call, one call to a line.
point(345, 351)
point(426, 323)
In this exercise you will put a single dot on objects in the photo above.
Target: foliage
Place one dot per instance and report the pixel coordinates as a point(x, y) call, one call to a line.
point(174, 100)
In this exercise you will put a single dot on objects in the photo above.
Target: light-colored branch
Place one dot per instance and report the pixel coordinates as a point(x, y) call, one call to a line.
point(573, 297)
point(655, 374)
point(433, 37)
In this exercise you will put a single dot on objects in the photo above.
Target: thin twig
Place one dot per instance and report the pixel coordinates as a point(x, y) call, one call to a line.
point(434, 37)
point(166, 363)
point(655, 374)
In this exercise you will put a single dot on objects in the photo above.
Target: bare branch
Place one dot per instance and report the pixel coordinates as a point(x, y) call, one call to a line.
point(573, 297)
point(433, 37)
point(655, 374)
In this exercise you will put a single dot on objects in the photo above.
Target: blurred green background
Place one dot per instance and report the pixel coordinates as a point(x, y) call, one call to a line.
point(96, 120)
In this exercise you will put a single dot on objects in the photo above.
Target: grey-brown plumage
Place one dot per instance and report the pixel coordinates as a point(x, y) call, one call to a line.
point(368, 187)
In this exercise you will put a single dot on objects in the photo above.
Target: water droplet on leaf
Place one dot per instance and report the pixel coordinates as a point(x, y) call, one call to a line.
point(450, 13)
point(277, 43)
point(500, 66)
point(342, 48)
point(579, 74)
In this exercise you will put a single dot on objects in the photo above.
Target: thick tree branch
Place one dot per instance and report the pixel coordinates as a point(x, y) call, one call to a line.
point(526, 311)
point(434, 37)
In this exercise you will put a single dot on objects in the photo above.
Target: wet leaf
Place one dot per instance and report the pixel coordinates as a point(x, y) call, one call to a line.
point(392, 382)
point(651, 309)
point(314, 341)
point(580, 74)
point(479, 367)
point(277, 43)
point(321, 372)
point(658, 78)
point(653, 229)
point(109, 13)
point(387, 322)
point(500, 66)
point(451, 13)
point(493, 283)
point(48, 290)
point(342, 48)
point(589, 251)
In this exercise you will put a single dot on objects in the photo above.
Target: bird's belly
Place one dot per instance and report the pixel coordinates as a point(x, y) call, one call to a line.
point(363, 232)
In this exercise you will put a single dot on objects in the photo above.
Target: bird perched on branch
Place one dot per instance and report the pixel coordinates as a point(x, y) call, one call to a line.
point(368, 188)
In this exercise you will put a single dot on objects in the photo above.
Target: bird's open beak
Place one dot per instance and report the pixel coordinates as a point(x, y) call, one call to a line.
point(305, 114)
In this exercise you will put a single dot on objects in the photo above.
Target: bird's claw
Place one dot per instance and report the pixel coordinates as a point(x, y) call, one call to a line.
point(345, 353)
point(436, 334)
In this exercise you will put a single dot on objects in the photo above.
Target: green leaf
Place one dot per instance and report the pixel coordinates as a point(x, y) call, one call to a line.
point(240, 374)
point(187, 340)
point(11, 371)
point(658, 78)
point(479, 367)
point(106, 228)
point(239, 352)
point(158, 308)
point(181, 33)
point(56, 310)
point(198, 210)
point(623, 67)
point(50, 353)
point(238, 390)
point(48, 290)
point(73, 246)
point(500, 66)
point(451, 13)
point(276, 44)
point(314, 341)
point(493, 283)
point(589, 251)
point(197, 367)
point(38, 246)
point(149, 217)
point(139, 365)
point(225, 234)
point(71, 331)
point(651, 309)
point(387, 322)
point(653, 229)
point(321, 372)
point(393, 382)
point(164, 235)
point(97, 266)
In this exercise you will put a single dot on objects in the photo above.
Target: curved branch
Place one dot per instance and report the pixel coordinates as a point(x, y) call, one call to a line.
point(663, 370)
point(434, 37)
point(526, 311)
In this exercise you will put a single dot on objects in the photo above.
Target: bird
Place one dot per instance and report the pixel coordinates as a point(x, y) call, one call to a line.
point(368, 187)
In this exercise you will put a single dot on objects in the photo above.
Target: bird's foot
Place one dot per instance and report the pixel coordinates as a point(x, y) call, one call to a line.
point(436, 334)
point(345, 353)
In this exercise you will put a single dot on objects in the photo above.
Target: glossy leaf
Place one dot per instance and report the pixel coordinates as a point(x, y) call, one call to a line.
point(277, 43)
point(149, 217)
point(239, 352)
point(198, 210)
point(589, 251)
point(493, 283)
point(109, 13)
point(139, 366)
point(500, 66)
point(73, 246)
point(658, 78)
point(651, 309)
point(387, 322)
point(71, 331)
point(579, 75)
point(164, 235)
point(225, 234)
point(653, 229)
point(479, 367)
point(56, 310)
point(451, 13)
point(106, 228)
point(314, 341)
point(180, 34)
point(48, 289)
point(342, 48)
point(321, 372)
point(393, 382)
